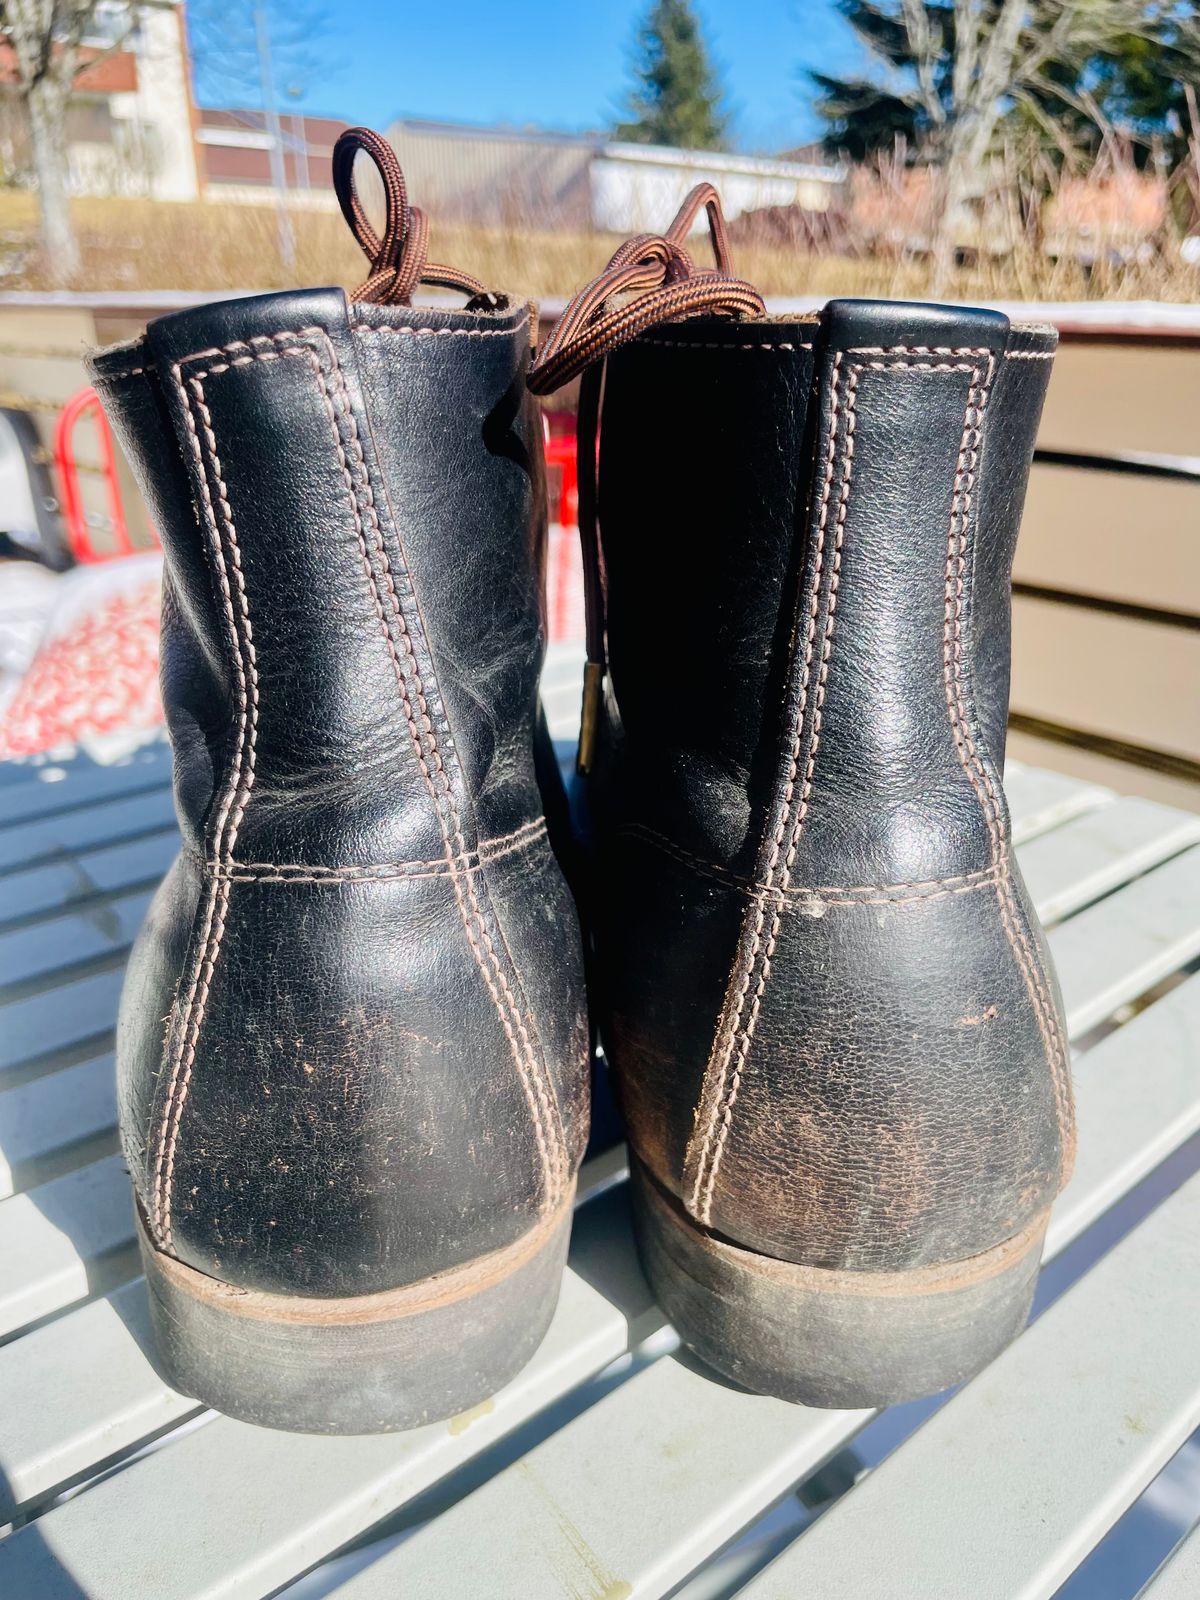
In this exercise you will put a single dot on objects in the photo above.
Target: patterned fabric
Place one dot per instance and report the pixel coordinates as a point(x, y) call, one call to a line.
point(93, 681)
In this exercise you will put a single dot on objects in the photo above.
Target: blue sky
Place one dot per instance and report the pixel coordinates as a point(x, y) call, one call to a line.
point(560, 63)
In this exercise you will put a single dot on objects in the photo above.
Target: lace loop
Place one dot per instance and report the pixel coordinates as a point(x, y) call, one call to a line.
point(661, 266)
point(398, 257)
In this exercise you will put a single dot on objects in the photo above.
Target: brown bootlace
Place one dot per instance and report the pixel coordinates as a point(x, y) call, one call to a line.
point(587, 332)
point(397, 259)
point(661, 265)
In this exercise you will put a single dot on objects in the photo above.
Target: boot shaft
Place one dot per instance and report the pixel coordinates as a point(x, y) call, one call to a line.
point(369, 521)
point(808, 532)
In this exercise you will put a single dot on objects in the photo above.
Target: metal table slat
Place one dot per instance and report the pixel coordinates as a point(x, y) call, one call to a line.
point(106, 928)
point(1071, 867)
point(1039, 801)
point(29, 793)
point(57, 1240)
point(1010, 1485)
point(1179, 1576)
point(35, 1030)
point(106, 823)
point(108, 869)
point(1155, 932)
point(656, 1477)
point(42, 1123)
point(249, 1509)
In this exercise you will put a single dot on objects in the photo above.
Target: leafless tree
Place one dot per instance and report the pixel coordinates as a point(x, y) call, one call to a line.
point(1002, 53)
point(46, 38)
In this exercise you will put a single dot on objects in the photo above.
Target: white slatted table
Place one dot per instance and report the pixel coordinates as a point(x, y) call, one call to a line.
point(597, 1473)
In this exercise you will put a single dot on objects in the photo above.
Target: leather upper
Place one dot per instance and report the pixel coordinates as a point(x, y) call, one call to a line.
point(372, 1061)
point(823, 990)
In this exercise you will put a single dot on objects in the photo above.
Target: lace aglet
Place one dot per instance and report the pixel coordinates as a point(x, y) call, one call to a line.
point(593, 684)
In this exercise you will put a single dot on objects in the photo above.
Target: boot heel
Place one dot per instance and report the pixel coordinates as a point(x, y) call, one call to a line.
point(828, 1338)
point(368, 1364)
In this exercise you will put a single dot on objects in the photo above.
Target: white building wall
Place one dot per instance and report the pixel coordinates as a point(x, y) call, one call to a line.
point(159, 157)
point(638, 188)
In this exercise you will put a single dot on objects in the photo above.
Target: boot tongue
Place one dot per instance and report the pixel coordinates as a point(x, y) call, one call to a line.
point(398, 257)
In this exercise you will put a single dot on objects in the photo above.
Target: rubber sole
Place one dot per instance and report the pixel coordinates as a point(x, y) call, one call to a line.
point(374, 1363)
point(828, 1338)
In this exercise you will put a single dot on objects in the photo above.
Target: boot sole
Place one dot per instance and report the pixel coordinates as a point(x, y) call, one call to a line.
point(822, 1337)
point(373, 1363)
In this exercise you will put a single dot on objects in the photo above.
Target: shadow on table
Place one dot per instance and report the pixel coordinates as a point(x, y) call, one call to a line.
point(28, 1564)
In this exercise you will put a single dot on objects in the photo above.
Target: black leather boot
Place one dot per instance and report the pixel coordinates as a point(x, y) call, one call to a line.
point(831, 1014)
point(352, 1043)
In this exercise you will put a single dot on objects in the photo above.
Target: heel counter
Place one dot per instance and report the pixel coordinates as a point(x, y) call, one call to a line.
point(335, 1108)
point(902, 1106)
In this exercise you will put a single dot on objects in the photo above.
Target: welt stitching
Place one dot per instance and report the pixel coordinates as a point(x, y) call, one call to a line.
point(702, 1189)
point(236, 794)
point(968, 752)
point(849, 893)
point(528, 1067)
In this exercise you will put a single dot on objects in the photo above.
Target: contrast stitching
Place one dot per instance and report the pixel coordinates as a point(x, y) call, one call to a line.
point(806, 901)
point(127, 372)
point(234, 800)
point(828, 894)
point(719, 344)
point(365, 329)
point(968, 752)
point(1029, 355)
point(252, 344)
point(801, 811)
point(550, 1137)
point(728, 1083)
point(920, 350)
point(917, 366)
point(302, 871)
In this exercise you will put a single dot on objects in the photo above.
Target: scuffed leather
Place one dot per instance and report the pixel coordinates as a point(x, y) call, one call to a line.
point(830, 1012)
point(352, 1044)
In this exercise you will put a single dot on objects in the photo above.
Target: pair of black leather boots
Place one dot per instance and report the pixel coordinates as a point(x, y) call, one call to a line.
point(354, 1046)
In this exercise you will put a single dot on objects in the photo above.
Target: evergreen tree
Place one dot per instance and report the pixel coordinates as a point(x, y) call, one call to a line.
point(677, 97)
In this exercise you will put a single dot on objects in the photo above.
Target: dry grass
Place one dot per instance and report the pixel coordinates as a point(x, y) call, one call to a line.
point(139, 244)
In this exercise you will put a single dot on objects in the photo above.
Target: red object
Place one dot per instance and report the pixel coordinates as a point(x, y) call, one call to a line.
point(79, 535)
point(560, 453)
